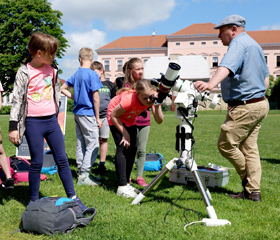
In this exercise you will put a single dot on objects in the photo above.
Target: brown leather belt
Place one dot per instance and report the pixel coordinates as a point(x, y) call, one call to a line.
point(237, 103)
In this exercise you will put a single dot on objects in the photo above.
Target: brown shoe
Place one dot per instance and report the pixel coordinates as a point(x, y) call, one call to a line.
point(254, 196)
point(240, 195)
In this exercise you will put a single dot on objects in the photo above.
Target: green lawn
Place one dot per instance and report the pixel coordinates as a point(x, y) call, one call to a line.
point(117, 219)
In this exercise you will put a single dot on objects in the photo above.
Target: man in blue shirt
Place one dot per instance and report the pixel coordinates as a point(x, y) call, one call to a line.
point(243, 75)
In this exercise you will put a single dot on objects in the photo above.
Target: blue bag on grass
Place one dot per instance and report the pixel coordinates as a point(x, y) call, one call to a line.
point(49, 165)
point(154, 162)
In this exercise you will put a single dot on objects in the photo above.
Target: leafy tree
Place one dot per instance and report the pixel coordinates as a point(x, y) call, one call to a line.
point(18, 20)
point(275, 93)
point(270, 86)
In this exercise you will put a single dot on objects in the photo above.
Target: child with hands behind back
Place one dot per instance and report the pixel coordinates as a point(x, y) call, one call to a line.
point(86, 83)
point(122, 112)
point(35, 104)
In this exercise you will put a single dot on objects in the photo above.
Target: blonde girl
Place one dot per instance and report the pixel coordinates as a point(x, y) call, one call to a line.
point(134, 70)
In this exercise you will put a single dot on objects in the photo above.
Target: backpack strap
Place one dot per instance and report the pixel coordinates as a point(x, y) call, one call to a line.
point(162, 159)
point(86, 220)
point(18, 230)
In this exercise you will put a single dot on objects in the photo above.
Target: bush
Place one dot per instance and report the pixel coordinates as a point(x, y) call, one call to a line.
point(270, 86)
point(5, 110)
point(274, 98)
point(164, 107)
point(70, 105)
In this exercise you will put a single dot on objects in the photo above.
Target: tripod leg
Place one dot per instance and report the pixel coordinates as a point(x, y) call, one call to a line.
point(203, 192)
point(213, 219)
point(171, 164)
point(201, 187)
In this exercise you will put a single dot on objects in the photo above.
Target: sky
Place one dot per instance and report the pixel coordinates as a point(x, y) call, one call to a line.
point(95, 23)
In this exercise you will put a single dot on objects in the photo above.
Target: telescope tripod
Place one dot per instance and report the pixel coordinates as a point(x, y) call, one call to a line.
point(185, 145)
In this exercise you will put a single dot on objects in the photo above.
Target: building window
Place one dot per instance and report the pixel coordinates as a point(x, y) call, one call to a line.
point(178, 44)
point(203, 43)
point(119, 65)
point(265, 57)
point(215, 62)
point(277, 61)
point(107, 65)
point(191, 43)
point(215, 42)
point(108, 79)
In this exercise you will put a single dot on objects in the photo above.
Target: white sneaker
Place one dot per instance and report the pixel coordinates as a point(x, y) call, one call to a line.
point(133, 188)
point(126, 191)
point(85, 179)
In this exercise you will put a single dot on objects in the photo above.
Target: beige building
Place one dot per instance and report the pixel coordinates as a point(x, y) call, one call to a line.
point(197, 39)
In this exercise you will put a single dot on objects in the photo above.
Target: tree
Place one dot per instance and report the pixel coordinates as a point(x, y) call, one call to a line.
point(18, 20)
point(270, 86)
point(275, 94)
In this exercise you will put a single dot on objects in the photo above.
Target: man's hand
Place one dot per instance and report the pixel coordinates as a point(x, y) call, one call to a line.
point(219, 76)
point(202, 86)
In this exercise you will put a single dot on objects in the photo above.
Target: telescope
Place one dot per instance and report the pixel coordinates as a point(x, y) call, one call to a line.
point(166, 82)
point(186, 103)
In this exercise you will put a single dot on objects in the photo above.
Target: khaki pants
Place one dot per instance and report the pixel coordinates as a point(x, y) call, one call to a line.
point(238, 141)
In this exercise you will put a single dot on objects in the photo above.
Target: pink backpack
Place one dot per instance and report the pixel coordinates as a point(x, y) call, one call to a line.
point(19, 168)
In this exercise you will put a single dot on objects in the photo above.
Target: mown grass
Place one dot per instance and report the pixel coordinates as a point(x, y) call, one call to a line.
point(117, 219)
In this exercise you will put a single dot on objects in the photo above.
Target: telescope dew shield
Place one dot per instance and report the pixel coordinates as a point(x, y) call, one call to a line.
point(172, 71)
point(168, 80)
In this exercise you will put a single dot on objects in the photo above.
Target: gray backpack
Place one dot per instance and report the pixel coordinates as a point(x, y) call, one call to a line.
point(52, 215)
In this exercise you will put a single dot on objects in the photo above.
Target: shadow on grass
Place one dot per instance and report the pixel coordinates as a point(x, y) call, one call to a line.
point(109, 181)
point(271, 160)
point(20, 193)
point(109, 178)
point(164, 184)
point(153, 196)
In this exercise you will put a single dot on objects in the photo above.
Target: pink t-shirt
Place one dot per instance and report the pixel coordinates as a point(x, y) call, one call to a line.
point(40, 91)
point(130, 103)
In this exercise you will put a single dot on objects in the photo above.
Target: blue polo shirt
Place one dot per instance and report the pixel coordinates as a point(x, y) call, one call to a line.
point(245, 59)
point(85, 81)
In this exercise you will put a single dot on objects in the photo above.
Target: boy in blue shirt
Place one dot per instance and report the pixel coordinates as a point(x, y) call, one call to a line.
point(86, 113)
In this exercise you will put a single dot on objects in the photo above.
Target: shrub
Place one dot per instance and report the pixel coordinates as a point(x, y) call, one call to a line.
point(5, 110)
point(274, 98)
point(70, 105)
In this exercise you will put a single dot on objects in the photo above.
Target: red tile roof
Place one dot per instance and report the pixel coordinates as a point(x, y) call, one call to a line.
point(158, 41)
point(153, 41)
point(198, 29)
point(266, 37)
